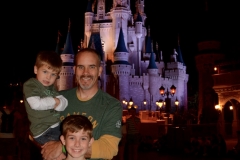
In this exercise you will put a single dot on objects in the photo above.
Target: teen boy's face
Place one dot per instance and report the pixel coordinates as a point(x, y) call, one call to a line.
point(45, 75)
point(76, 143)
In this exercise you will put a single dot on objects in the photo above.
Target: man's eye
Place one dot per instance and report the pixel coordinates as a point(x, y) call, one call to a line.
point(80, 67)
point(92, 67)
point(44, 71)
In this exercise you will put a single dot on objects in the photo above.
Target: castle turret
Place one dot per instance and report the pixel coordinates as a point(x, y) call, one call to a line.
point(120, 15)
point(148, 48)
point(139, 4)
point(66, 75)
point(121, 68)
point(138, 32)
point(57, 50)
point(88, 22)
point(101, 10)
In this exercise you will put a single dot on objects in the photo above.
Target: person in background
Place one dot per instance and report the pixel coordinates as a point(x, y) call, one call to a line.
point(133, 124)
point(9, 117)
point(76, 136)
point(103, 110)
point(42, 100)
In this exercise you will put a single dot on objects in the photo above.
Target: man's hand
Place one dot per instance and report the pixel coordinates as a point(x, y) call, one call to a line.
point(88, 153)
point(52, 151)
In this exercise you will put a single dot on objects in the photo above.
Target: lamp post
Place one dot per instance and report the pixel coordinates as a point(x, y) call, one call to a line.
point(126, 103)
point(167, 100)
point(176, 104)
point(145, 104)
point(160, 104)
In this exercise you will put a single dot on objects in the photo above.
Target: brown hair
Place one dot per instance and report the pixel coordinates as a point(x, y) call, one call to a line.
point(49, 58)
point(75, 123)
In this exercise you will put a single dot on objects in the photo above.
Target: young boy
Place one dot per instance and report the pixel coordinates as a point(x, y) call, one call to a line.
point(42, 101)
point(76, 136)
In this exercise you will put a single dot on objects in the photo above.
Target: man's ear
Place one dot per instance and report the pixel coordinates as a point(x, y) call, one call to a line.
point(100, 71)
point(90, 142)
point(35, 69)
point(62, 139)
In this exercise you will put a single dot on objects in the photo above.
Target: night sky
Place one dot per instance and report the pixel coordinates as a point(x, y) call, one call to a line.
point(33, 26)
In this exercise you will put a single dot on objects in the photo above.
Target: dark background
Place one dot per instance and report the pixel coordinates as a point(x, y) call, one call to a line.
point(28, 27)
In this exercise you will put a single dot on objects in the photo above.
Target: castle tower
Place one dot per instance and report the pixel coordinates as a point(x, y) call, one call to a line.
point(139, 4)
point(138, 32)
point(65, 80)
point(101, 10)
point(176, 70)
point(121, 68)
point(120, 15)
point(88, 23)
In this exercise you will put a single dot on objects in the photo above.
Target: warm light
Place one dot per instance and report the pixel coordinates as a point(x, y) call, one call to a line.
point(215, 68)
point(144, 102)
point(135, 106)
point(176, 102)
point(173, 89)
point(131, 102)
point(160, 103)
point(162, 90)
point(217, 107)
point(231, 107)
point(123, 101)
point(21, 101)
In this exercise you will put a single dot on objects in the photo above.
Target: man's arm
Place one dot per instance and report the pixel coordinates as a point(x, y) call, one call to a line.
point(105, 147)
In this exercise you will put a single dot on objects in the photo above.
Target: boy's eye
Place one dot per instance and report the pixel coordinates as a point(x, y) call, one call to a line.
point(44, 71)
point(54, 74)
point(84, 139)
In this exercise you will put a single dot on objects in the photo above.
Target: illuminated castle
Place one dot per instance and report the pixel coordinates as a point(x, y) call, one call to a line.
point(131, 67)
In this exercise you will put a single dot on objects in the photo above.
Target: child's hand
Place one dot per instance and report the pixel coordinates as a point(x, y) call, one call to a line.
point(57, 102)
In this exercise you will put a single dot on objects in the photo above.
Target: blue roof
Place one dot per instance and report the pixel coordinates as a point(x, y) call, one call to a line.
point(149, 45)
point(57, 50)
point(89, 6)
point(96, 43)
point(68, 48)
point(121, 62)
point(179, 56)
point(139, 18)
point(68, 64)
point(121, 43)
point(152, 64)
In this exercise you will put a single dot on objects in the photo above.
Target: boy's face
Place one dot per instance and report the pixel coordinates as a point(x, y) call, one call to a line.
point(76, 143)
point(45, 75)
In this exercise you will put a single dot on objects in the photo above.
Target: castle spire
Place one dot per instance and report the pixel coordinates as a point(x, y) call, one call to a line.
point(121, 44)
point(152, 64)
point(68, 48)
point(179, 53)
point(89, 6)
point(58, 39)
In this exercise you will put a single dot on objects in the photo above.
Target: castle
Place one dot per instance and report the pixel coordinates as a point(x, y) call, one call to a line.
point(132, 70)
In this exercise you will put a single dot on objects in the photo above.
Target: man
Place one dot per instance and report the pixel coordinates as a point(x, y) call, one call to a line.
point(103, 110)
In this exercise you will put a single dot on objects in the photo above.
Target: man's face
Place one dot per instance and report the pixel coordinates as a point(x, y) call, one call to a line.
point(87, 70)
point(45, 75)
